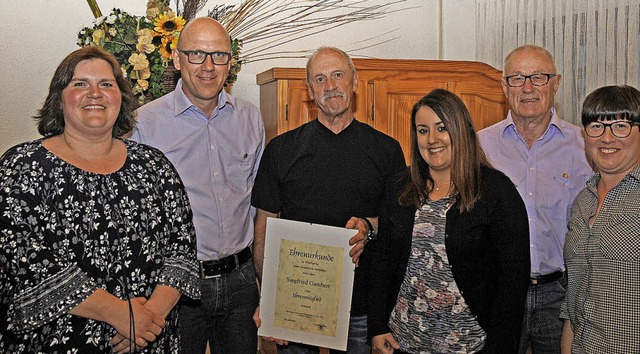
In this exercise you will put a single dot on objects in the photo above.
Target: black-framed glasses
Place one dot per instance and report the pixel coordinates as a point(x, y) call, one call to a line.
point(620, 129)
point(518, 80)
point(199, 56)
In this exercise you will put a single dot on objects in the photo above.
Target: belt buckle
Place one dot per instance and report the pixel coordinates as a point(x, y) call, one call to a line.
point(204, 276)
point(533, 281)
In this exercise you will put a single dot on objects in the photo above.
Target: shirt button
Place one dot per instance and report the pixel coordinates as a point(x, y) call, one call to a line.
point(215, 174)
point(530, 193)
point(531, 169)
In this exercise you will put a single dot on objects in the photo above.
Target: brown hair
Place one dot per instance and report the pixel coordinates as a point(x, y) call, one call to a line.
point(50, 117)
point(466, 153)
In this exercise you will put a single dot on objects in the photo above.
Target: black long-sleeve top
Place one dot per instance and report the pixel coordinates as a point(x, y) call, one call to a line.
point(487, 248)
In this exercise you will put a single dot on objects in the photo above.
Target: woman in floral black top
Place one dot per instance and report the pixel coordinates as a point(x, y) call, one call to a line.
point(97, 242)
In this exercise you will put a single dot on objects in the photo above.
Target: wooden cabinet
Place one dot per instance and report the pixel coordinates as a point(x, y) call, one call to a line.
point(387, 90)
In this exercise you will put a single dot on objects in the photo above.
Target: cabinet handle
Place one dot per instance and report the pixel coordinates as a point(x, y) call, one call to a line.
point(286, 113)
point(373, 113)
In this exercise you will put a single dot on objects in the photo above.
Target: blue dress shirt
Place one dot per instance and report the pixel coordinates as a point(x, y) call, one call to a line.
point(217, 158)
point(548, 177)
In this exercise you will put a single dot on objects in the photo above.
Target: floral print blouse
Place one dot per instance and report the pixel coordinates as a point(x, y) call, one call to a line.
point(65, 232)
point(431, 315)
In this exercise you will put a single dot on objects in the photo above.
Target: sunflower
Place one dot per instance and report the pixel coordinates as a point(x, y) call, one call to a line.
point(167, 46)
point(156, 39)
point(167, 24)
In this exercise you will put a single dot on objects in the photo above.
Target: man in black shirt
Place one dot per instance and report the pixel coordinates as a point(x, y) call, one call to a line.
point(332, 171)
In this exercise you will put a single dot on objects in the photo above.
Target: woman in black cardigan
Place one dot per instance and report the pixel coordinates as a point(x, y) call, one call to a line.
point(450, 269)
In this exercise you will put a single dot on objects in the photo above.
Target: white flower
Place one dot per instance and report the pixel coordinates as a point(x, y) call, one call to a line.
point(456, 309)
point(111, 19)
point(98, 21)
point(420, 305)
point(431, 294)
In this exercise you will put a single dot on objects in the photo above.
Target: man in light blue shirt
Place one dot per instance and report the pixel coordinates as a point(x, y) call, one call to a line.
point(215, 141)
point(544, 157)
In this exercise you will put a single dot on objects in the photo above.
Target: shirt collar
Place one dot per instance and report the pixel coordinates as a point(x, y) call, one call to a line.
point(508, 126)
point(592, 183)
point(635, 173)
point(182, 102)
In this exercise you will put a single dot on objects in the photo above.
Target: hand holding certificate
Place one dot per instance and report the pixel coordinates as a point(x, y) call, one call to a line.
point(307, 283)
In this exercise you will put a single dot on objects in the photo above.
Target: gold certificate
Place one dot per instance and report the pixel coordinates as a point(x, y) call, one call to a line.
point(307, 283)
point(308, 287)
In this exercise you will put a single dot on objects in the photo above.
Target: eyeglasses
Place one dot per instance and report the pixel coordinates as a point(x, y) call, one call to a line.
point(518, 80)
point(199, 56)
point(620, 129)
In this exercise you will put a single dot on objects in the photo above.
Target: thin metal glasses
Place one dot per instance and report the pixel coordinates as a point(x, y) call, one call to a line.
point(518, 80)
point(620, 129)
point(199, 56)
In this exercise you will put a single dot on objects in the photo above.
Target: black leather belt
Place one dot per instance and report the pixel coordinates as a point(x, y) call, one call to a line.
point(547, 278)
point(216, 268)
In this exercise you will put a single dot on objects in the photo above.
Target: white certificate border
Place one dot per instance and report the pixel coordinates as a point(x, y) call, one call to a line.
point(278, 229)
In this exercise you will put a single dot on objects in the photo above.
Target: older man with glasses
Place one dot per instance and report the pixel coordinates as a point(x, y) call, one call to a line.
point(215, 141)
point(544, 157)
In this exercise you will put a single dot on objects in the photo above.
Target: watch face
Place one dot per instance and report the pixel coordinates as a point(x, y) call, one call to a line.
point(370, 235)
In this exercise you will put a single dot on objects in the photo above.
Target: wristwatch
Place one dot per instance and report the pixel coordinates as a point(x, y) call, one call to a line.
point(371, 235)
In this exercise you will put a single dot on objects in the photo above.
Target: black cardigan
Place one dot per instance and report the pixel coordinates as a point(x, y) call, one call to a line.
point(487, 248)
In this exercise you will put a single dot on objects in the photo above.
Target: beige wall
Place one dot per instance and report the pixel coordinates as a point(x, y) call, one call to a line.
point(37, 34)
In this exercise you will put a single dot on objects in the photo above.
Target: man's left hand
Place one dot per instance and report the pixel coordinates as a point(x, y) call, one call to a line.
point(358, 240)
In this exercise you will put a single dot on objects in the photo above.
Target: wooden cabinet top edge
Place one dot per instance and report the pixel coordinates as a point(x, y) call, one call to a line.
point(422, 64)
point(280, 73)
point(364, 64)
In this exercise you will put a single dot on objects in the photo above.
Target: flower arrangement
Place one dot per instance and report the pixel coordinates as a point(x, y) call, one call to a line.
point(141, 44)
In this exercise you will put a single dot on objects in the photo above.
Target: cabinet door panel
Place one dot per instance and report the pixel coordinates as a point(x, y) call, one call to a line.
point(300, 107)
point(484, 98)
point(392, 104)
